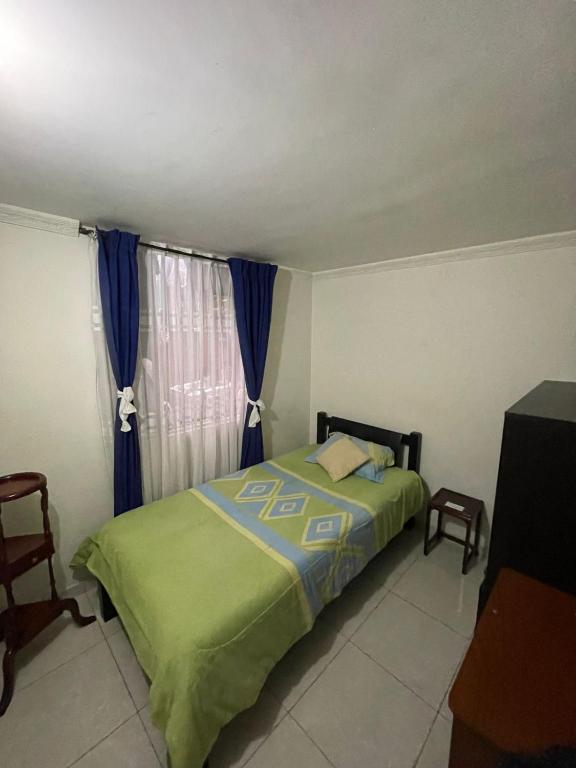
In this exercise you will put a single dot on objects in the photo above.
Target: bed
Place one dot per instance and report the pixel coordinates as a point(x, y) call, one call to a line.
point(213, 585)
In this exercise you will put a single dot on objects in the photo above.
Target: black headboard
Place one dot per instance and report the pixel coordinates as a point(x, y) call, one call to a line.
point(326, 425)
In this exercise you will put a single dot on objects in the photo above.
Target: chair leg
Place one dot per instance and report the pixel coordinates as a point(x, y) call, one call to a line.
point(69, 604)
point(8, 669)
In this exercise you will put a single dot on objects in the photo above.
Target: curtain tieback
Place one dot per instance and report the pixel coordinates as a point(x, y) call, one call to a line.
point(257, 406)
point(126, 407)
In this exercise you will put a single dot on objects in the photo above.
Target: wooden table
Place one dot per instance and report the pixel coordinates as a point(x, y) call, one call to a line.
point(516, 689)
point(19, 624)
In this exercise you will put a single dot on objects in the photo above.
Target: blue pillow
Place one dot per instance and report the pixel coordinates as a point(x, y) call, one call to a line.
point(381, 456)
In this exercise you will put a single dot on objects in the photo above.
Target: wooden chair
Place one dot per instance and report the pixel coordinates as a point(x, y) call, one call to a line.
point(19, 624)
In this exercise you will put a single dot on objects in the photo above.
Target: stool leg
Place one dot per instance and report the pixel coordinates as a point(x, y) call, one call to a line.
point(477, 534)
point(466, 560)
point(427, 532)
point(8, 672)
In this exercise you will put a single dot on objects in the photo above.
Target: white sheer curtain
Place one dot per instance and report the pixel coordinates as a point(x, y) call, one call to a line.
point(189, 389)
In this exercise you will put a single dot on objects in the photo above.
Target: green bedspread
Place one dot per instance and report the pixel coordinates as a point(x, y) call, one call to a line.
point(215, 584)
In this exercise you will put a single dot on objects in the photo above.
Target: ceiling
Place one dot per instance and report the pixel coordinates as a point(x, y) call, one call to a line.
point(317, 133)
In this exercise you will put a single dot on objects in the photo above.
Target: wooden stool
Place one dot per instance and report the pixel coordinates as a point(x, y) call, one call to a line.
point(19, 624)
point(463, 508)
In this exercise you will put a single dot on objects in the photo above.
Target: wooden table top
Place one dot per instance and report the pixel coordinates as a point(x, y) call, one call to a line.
point(20, 484)
point(444, 499)
point(517, 685)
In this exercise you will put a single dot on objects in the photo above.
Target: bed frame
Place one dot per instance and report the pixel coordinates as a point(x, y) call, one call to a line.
point(398, 441)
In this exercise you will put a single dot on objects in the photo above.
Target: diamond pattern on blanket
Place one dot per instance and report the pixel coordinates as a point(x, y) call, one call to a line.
point(258, 489)
point(286, 507)
point(325, 531)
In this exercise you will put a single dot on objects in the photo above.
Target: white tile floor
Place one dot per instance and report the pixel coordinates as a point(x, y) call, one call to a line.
point(367, 686)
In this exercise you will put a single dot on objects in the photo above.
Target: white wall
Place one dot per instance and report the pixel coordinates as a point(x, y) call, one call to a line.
point(286, 389)
point(48, 414)
point(444, 350)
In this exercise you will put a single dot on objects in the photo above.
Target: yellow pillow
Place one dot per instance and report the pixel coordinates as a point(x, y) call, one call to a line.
point(342, 458)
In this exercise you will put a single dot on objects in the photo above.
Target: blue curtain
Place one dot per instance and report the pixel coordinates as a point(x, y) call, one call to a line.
point(118, 276)
point(253, 285)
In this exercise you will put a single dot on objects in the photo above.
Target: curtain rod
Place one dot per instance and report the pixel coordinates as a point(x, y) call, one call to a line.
point(85, 230)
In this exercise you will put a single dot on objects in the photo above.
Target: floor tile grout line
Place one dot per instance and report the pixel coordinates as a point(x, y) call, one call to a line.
point(410, 564)
point(430, 616)
point(305, 691)
point(388, 593)
point(100, 620)
point(351, 641)
point(130, 694)
point(109, 633)
point(376, 584)
point(100, 641)
point(424, 742)
point(260, 744)
point(399, 576)
point(387, 590)
point(308, 736)
point(136, 710)
point(370, 612)
point(265, 739)
point(452, 677)
point(415, 763)
point(125, 721)
point(466, 637)
point(404, 572)
point(159, 757)
point(389, 672)
point(93, 747)
point(378, 604)
point(452, 680)
point(287, 711)
point(59, 666)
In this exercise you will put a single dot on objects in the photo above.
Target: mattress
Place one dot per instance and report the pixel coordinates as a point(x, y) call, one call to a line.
point(213, 585)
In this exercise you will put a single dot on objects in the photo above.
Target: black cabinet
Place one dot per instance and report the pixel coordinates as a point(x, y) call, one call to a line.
point(534, 522)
